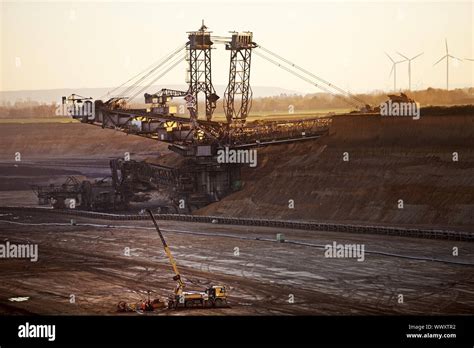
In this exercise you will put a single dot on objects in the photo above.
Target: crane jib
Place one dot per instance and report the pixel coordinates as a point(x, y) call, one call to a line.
point(170, 256)
point(158, 229)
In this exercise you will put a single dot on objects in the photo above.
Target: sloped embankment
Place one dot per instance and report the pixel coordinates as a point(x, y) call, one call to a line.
point(389, 159)
point(56, 140)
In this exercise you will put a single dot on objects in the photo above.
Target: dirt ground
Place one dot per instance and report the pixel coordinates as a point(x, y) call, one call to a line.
point(89, 262)
point(388, 161)
point(54, 141)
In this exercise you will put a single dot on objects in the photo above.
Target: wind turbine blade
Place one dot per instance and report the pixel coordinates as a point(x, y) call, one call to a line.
point(391, 71)
point(403, 56)
point(472, 60)
point(446, 42)
point(450, 56)
point(389, 57)
point(440, 60)
point(417, 55)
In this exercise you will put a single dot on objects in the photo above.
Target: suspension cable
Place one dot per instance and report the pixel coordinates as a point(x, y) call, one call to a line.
point(143, 71)
point(329, 84)
point(345, 100)
point(176, 62)
point(162, 62)
point(136, 85)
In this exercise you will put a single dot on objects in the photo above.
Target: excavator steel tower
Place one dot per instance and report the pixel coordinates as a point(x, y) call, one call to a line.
point(199, 49)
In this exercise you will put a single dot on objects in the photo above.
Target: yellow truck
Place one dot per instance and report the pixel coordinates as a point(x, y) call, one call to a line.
point(214, 296)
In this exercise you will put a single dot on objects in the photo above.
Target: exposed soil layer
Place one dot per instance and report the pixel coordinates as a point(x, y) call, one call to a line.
point(389, 159)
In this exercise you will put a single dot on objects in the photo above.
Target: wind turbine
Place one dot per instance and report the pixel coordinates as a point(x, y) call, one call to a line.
point(394, 71)
point(409, 66)
point(447, 56)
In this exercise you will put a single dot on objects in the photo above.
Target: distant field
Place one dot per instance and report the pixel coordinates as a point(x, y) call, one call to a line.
point(55, 119)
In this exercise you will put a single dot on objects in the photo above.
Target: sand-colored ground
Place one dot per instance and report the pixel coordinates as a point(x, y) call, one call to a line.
point(70, 140)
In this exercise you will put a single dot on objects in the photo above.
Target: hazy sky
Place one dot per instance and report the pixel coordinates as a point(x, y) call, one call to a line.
point(67, 44)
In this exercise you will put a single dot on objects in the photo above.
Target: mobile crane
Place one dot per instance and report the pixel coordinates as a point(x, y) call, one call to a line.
point(214, 296)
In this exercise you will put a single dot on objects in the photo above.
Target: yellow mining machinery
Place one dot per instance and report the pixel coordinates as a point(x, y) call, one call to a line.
point(214, 296)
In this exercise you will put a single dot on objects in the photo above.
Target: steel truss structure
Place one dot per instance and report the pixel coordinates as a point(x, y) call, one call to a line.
point(238, 94)
point(200, 80)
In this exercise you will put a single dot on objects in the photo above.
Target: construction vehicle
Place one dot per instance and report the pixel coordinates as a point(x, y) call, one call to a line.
point(402, 98)
point(99, 195)
point(214, 296)
point(395, 99)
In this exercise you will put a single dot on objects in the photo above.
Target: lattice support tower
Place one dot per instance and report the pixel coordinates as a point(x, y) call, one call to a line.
point(238, 94)
point(199, 78)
